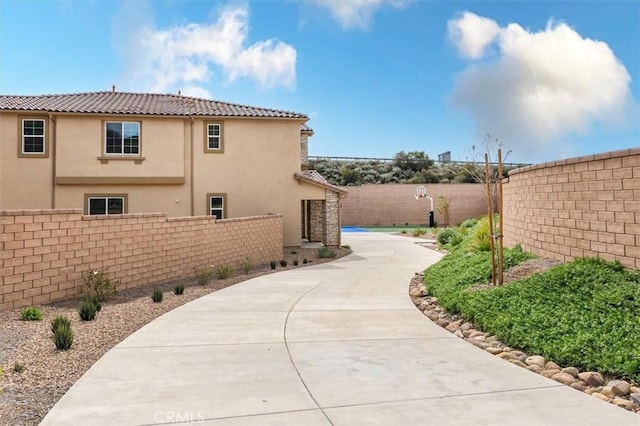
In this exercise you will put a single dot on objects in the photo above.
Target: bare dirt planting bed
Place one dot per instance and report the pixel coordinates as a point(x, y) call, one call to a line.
point(27, 396)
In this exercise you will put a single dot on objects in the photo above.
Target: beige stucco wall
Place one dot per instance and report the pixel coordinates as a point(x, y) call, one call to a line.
point(255, 170)
point(79, 143)
point(24, 182)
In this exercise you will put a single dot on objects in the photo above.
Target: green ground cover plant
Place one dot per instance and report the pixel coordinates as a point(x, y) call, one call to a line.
point(583, 313)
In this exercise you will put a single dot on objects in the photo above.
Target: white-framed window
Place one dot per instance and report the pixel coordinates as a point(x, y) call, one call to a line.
point(122, 137)
point(213, 138)
point(98, 205)
point(217, 205)
point(33, 136)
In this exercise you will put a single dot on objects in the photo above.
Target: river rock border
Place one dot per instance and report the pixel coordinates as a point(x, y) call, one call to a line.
point(618, 392)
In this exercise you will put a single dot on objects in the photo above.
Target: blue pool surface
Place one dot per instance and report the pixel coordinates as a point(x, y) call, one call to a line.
point(353, 229)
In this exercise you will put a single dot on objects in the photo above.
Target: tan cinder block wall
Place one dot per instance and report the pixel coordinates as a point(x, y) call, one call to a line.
point(585, 206)
point(44, 253)
point(388, 204)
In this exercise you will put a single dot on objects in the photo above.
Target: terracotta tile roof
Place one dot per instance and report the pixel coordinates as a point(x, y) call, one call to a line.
point(315, 178)
point(139, 104)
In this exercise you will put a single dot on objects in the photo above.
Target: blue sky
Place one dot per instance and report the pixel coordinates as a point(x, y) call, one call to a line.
point(549, 79)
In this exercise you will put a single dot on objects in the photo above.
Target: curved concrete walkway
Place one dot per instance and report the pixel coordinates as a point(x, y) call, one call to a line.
point(339, 343)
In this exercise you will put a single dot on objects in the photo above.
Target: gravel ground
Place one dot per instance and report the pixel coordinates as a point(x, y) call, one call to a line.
point(27, 396)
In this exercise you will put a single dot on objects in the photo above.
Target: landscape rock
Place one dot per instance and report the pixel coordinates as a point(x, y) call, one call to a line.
point(564, 378)
point(550, 365)
point(453, 327)
point(518, 363)
point(591, 378)
point(466, 326)
point(475, 334)
point(600, 396)
point(624, 403)
point(578, 386)
point(458, 333)
point(571, 370)
point(493, 350)
point(550, 373)
point(442, 322)
point(491, 339)
point(507, 355)
point(432, 315)
point(589, 391)
point(477, 343)
point(415, 292)
point(535, 360)
point(634, 389)
point(607, 391)
point(635, 397)
point(619, 387)
point(517, 353)
point(535, 368)
point(424, 305)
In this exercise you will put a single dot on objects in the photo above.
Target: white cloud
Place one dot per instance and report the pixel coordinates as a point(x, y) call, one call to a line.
point(542, 85)
point(472, 34)
point(356, 14)
point(187, 57)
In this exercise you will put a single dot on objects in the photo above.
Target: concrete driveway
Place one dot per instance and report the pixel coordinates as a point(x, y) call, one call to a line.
point(339, 343)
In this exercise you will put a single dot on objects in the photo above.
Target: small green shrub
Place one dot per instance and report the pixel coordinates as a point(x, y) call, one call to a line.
point(447, 235)
point(283, 263)
point(222, 272)
point(87, 310)
point(62, 333)
point(346, 246)
point(456, 240)
point(246, 265)
point(295, 262)
point(204, 275)
point(178, 290)
point(157, 296)
point(418, 232)
point(31, 314)
point(100, 284)
point(469, 223)
point(326, 253)
point(482, 235)
point(273, 264)
point(59, 322)
point(404, 231)
point(305, 261)
point(293, 252)
point(18, 367)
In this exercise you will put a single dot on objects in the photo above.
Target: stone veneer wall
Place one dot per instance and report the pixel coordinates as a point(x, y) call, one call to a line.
point(389, 204)
point(332, 232)
point(585, 206)
point(316, 216)
point(304, 151)
point(44, 253)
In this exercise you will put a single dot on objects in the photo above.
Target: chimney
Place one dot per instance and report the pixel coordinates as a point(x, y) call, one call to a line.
point(113, 89)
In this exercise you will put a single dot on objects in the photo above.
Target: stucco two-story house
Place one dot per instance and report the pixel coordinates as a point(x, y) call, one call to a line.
point(113, 153)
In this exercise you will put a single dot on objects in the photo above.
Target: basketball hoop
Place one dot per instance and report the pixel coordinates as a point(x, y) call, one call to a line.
point(421, 192)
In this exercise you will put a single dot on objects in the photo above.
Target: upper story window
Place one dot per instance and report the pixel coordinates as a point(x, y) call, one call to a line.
point(213, 138)
point(122, 138)
point(33, 136)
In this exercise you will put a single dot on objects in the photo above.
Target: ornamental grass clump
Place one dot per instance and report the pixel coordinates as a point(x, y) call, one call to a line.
point(157, 296)
point(87, 310)
point(62, 333)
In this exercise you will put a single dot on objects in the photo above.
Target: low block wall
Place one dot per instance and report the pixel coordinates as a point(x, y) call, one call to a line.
point(389, 204)
point(586, 206)
point(44, 253)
